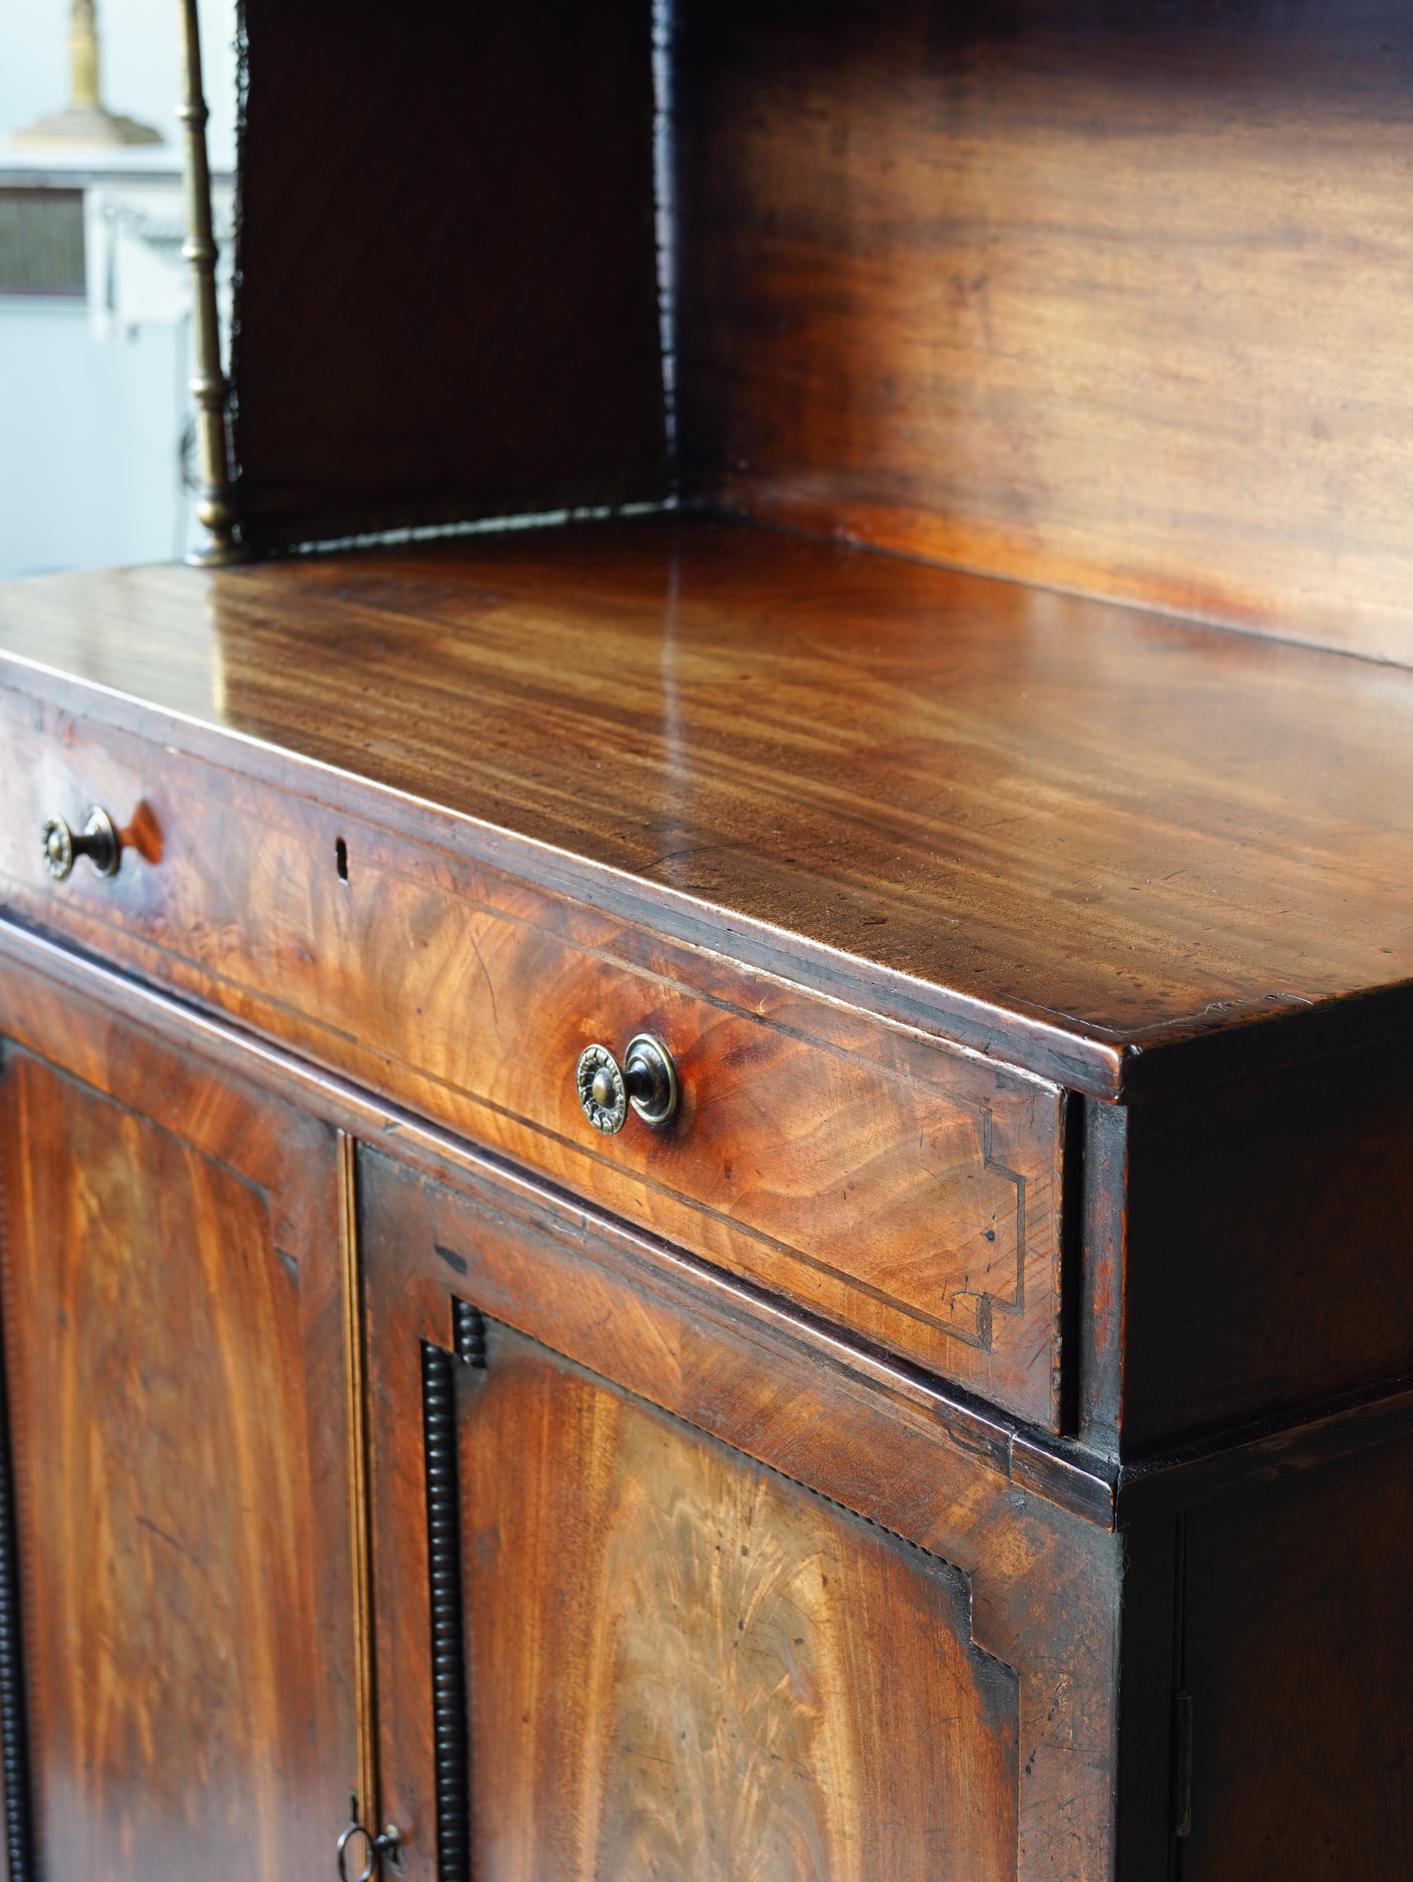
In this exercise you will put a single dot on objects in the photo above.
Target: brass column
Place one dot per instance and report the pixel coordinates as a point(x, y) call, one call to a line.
point(215, 505)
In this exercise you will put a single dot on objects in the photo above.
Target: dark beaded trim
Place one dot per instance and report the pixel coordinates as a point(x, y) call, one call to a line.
point(14, 1738)
point(468, 1325)
point(450, 1737)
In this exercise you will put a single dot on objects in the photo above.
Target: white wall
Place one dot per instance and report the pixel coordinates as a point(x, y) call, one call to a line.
point(88, 441)
point(89, 428)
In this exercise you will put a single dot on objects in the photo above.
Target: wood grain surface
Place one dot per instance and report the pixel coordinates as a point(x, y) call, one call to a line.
point(687, 1667)
point(1106, 297)
point(1043, 1583)
point(1075, 837)
point(907, 1192)
point(57, 1003)
point(172, 1334)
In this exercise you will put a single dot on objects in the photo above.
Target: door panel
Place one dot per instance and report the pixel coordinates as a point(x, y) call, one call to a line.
point(177, 1428)
point(611, 1645)
point(684, 1665)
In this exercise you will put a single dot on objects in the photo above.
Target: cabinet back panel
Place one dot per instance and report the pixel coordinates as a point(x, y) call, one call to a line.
point(447, 302)
point(1106, 298)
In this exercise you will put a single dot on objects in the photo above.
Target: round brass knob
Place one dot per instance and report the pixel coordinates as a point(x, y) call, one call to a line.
point(98, 841)
point(647, 1080)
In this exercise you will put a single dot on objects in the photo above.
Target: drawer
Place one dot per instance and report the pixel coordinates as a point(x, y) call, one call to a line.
point(903, 1190)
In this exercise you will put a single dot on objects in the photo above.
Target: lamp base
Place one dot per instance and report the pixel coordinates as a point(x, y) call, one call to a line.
point(77, 126)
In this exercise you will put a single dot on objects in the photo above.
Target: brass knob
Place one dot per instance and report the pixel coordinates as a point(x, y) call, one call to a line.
point(647, 1080)
point(98, 841)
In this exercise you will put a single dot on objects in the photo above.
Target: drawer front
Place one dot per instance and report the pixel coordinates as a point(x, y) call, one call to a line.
point(898, 1188)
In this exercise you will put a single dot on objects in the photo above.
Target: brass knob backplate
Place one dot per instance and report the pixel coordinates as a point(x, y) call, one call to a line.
point(646, 1081)
point(98, 841)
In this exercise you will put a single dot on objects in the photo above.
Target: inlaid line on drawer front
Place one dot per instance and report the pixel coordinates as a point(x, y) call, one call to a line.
point(901, 1188)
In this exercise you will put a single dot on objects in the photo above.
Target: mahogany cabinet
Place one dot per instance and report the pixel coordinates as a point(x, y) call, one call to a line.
point(713, 1178)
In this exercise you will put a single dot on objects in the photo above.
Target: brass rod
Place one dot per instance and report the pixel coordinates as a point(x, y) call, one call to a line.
point(215, 497)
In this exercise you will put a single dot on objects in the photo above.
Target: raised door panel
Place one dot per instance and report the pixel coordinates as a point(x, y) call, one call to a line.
point(173, 1354)
point(629, 1620)
point(683, 1665)
point(612, 1645)
point(688, 1666)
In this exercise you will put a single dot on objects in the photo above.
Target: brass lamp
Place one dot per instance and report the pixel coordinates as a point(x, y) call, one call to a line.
point(84, 121)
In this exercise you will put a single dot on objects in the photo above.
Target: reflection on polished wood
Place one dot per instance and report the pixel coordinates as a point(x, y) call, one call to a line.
point(1057, 829)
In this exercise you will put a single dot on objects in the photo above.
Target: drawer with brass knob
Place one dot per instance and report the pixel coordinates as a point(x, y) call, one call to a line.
point(901, 1189)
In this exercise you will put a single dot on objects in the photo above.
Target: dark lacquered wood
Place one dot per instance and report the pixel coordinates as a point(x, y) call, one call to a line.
point(448, 295)
point(176, 1423)
point(1297, 1619)
point(1110, 298)
point(590, 1527)
point(983, 1497)
point(1266, 1242)
point(839, 1159)
point(705, 1537)
point(1078, 838)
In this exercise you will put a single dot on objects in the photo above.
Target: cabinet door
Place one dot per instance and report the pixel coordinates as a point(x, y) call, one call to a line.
point(612, 1646)
point(177, 1438)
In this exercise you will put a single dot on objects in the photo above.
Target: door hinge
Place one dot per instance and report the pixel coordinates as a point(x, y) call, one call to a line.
point(1182, 1764)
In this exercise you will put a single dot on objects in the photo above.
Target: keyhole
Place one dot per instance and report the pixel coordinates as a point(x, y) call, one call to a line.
point(341, 858)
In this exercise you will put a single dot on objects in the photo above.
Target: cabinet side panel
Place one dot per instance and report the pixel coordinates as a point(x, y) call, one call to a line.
point(1299, 1619)
point(1269, 1232)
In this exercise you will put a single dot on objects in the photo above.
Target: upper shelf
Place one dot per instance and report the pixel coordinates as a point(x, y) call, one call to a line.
point(1093, 841)
point(1107, 298)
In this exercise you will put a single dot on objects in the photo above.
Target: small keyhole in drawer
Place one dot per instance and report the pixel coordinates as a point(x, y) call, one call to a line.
point(341, 858)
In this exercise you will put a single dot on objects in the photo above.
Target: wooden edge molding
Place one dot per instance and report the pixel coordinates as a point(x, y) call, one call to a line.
point(1264, 1452)
point(360, 1540)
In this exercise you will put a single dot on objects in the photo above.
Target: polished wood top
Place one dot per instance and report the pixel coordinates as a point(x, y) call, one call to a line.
point(1070, 834)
